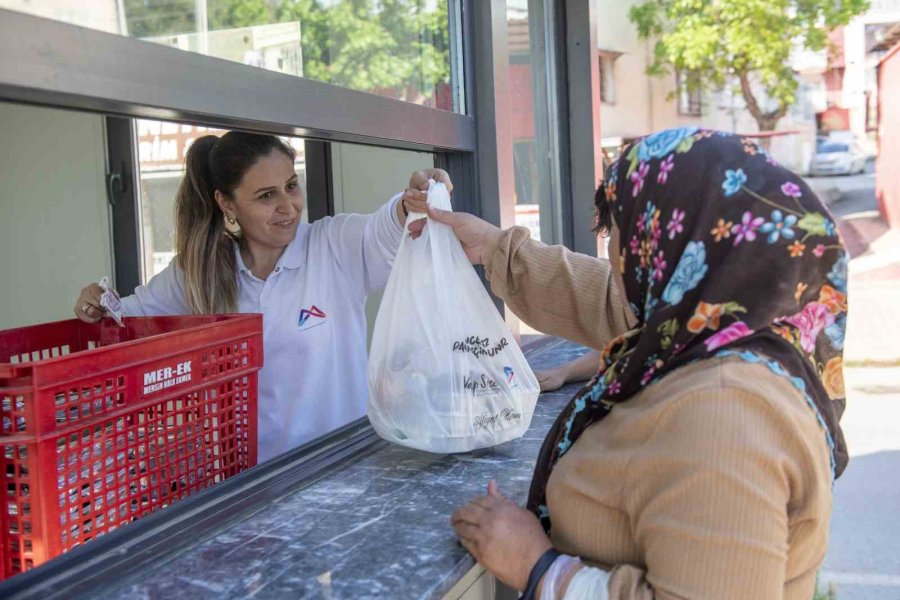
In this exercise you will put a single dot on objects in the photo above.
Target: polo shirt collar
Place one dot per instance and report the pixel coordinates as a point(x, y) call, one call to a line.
point(294, 256)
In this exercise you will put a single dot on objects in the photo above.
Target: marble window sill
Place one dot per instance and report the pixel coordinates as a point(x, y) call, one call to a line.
point(375, 526)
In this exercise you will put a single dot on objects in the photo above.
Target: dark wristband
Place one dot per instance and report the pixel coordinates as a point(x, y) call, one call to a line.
point(403, 206)
point(537, 571)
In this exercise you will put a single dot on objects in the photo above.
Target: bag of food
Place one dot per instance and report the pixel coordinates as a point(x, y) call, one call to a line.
point(445, 374)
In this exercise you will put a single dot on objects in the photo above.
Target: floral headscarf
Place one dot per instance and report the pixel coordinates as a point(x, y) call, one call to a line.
point(722, 253)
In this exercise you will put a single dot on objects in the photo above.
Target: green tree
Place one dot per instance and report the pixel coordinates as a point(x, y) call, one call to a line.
point(228, 14)
point(370, 45)
point(746, 43)
point(374, 44)
point(149, 18)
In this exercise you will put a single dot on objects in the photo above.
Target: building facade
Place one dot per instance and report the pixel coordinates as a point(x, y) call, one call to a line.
point(851, 75)
point(634, 103)
point(887, 179)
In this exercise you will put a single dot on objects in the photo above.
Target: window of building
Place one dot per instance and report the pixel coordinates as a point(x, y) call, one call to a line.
point(690, 95)
point(872, 110)
point(608, 77)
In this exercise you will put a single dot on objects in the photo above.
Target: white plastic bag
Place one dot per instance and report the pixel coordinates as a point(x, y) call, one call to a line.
point(445, 374)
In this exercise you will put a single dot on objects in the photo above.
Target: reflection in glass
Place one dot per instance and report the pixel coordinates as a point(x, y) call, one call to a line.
point(394, 48)
point(537, 206)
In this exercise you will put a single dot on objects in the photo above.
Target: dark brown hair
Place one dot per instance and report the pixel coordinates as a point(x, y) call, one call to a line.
point(602, 212)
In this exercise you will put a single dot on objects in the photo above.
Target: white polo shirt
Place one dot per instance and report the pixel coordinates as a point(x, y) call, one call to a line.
point(314, 322)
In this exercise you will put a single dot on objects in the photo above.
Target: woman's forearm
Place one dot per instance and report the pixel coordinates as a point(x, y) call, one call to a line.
point(583, 367)
point(556, 291)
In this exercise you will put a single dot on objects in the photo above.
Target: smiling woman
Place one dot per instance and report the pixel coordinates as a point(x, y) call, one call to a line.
point(254, 185)
point(242, 247)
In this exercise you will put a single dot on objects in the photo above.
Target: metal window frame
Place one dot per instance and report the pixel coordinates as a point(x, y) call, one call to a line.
point(690, 102)
point(460, 55)
point(585, 165)
point(559, 139)
point(562, 162)
point(50, 63)
point(542, 39)
point(123, 192)
point(319, 180)
point(496, 177)
point(572, 71)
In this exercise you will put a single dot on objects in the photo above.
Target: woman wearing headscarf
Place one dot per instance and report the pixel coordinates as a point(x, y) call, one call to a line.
point(699, 461)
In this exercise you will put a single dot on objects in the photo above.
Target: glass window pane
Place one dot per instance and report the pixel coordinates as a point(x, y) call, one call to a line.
point(363, 177)
point(361, 180)
point(54, 212)
point(162, 147)
point(394, 48)
point(537, 199)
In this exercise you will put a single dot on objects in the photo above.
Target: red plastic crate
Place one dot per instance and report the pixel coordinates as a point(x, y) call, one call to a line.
point(102, 424)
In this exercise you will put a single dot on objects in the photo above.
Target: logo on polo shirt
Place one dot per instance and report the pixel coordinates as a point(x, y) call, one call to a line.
point(510, 374)
point(311, 317)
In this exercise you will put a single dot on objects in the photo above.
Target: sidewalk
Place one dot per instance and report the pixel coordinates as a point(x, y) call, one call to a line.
point(863, 560)
point(825, 188)
point(873, 326)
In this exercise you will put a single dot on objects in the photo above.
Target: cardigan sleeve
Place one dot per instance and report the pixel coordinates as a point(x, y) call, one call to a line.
point(556, 291)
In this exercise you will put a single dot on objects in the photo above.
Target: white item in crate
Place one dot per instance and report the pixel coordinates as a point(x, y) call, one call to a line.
point(445, 374)
point(110, 301)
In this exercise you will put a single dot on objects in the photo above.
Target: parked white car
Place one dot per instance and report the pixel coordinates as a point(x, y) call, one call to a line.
point(837, 158)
